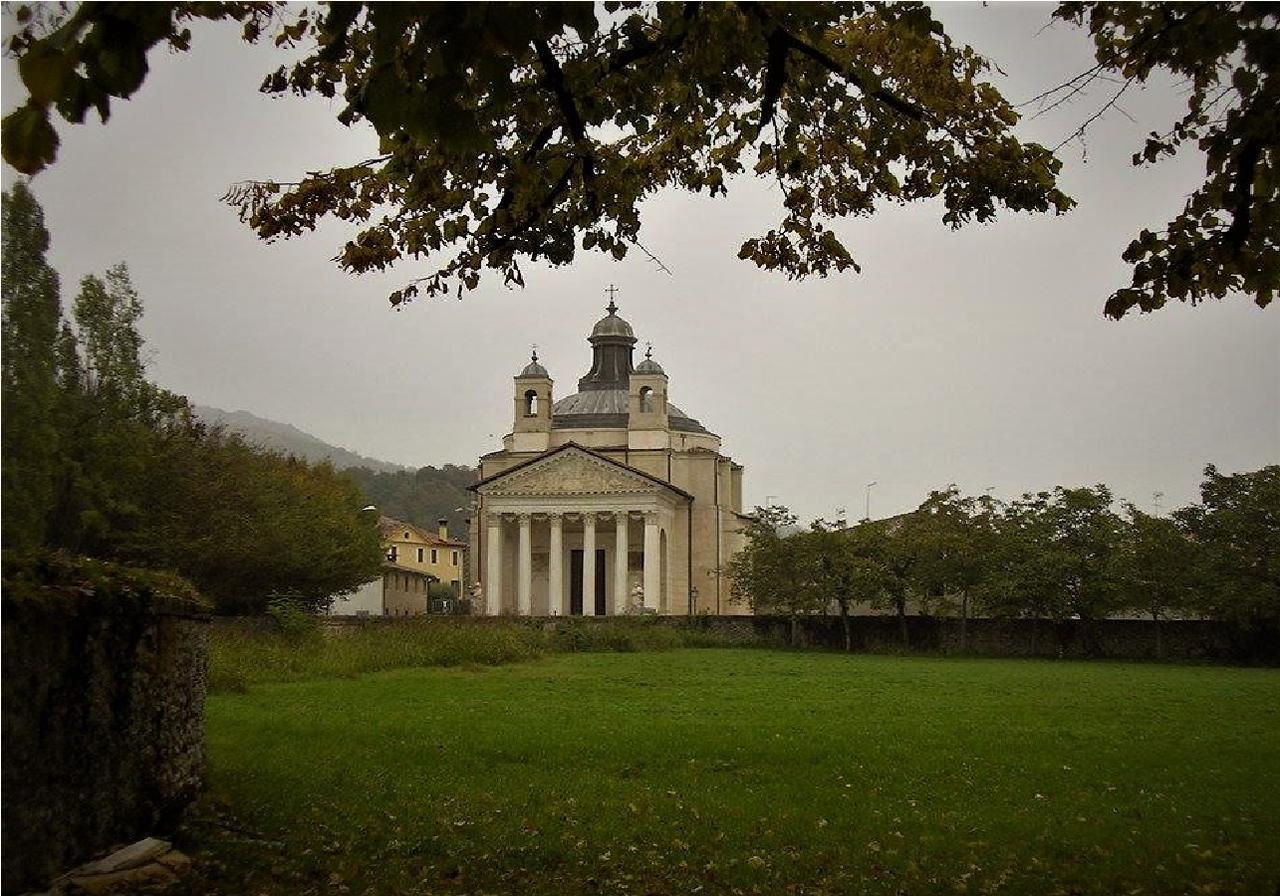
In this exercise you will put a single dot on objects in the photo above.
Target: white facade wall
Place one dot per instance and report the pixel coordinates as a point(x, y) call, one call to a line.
point(367, 600)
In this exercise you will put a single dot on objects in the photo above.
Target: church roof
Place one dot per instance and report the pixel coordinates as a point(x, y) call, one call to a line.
point(392, 529)
point(574, 446)
point(609, 409)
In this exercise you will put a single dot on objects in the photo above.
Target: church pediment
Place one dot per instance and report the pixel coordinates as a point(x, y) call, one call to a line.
point(570, 472)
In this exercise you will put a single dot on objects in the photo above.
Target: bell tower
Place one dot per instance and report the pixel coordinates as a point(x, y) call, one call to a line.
point(647, 403)
point(532, 427)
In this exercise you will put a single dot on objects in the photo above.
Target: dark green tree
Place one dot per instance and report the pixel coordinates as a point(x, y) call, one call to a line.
point(31, 317)
point(1237, 526)
point(769, 573)
point(954, 543)
point(1160, 569)
point(846, 567)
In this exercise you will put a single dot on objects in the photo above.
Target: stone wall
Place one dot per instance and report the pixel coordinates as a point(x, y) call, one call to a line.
point(103, 713)
point(1122, 639)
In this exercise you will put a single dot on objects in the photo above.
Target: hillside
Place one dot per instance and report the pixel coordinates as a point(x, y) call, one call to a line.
point(420, 496)
point(288, 439)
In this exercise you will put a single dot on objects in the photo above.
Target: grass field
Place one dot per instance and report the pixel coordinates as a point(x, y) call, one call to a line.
point(755, 771)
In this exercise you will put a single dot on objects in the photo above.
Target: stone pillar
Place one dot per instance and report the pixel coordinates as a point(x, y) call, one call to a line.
point(588, 564)
point(524, 575)
point(555, 573)
point(620, 563)
point(652, 583)
point(493, 575)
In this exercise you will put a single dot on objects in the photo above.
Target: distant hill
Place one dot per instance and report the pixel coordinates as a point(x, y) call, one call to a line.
point(287, 439)
point(420, 496)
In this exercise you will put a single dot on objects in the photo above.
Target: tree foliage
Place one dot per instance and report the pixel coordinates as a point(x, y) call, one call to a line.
point(100, 461)
point(514, 134)
point(1227, 55)
point(31, 314)
point(1058, 555)
point(423, 496)
point(1237, 526)
point(768, 573)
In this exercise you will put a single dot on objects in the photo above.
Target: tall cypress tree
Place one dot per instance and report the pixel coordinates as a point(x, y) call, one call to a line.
point(31, 317)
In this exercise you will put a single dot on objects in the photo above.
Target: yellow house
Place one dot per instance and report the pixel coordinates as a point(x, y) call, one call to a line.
point(410, 547)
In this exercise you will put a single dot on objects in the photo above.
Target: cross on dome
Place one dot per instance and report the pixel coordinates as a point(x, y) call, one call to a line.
point(613, 306)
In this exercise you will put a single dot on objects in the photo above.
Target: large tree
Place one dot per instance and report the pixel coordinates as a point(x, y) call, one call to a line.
point(954, 543)
point(770, 573)
point(517, 133)
point(1227, 57)
point(31, 316)
point(1237, 526)
point(512, 133)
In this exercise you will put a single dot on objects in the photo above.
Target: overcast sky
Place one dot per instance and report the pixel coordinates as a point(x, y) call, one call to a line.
point(979, 357)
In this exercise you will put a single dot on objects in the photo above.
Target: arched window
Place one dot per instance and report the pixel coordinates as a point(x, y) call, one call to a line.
point(646, 399)
point(531, 403)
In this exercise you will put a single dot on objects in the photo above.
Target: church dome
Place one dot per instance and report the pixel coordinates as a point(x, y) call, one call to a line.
point(608, 409)
point(650, 366)
point(612, 326)
point(533, 368)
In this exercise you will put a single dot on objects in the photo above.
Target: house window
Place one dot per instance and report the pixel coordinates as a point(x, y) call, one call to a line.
point(455, 558)
point(391, 553)
point(433, 555)
point(419, 555)
point(531, 403)
point(406, 536)
point(646, 400)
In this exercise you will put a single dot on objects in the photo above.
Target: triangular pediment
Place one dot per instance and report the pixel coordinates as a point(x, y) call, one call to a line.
point(570, 472)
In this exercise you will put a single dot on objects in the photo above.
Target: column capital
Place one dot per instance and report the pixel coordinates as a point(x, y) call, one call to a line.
point(650, 516)
point(589, 515)
point(555, 516)
point(523, 517)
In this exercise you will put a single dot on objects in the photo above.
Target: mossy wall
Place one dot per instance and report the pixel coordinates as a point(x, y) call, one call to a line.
point(103, 707)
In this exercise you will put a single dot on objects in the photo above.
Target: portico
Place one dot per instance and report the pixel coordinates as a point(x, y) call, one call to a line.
point(575, 533)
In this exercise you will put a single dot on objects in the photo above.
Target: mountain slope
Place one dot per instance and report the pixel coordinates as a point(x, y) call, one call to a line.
point(419, 496)
point(288, 439)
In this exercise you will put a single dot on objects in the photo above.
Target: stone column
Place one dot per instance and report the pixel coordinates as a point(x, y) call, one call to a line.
point(652, 583)
point(524, 576)
point(588, 564)
point(493, 575)
point(555, 573)
point(620, 563)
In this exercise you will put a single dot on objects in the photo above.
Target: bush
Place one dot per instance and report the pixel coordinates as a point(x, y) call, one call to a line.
point(292, 618)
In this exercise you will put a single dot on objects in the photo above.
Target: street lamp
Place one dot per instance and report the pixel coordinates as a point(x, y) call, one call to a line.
point(867, 511)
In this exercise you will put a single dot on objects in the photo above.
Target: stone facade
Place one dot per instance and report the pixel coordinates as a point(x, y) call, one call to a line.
point(103, 723)
point(611, 500)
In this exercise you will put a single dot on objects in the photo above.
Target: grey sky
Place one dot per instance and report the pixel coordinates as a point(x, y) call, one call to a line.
point(978, 357)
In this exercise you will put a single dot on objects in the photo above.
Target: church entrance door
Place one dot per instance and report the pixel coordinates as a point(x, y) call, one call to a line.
point(575, 582)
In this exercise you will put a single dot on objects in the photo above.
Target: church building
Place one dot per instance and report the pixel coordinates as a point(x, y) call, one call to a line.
point(608, 501)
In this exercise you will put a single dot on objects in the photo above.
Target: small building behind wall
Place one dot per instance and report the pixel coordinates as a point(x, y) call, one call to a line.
point(397, 592)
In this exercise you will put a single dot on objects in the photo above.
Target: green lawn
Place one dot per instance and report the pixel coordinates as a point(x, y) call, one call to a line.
point(719, 771)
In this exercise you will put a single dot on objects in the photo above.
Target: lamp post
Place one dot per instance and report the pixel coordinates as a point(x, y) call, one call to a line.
point(867, 510)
